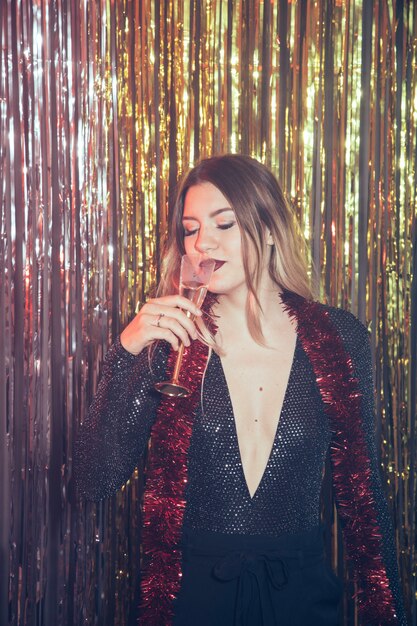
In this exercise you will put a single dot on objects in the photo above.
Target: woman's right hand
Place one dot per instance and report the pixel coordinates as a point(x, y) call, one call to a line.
point(161, 318)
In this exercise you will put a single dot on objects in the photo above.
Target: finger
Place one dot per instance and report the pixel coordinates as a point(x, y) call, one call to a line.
point(162, 312)
point(174, 326)
point(182, 333)
point(167, 335)
point(176, 301)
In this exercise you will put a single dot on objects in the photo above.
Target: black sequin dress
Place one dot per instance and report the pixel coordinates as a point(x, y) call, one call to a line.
point(115, 432)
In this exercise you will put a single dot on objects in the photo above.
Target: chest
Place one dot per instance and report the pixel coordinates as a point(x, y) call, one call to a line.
point(222, 492)
point(257, 380)
point(237, 464)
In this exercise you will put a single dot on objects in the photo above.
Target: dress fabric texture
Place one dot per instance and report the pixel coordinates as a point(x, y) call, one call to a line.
point(219, 509)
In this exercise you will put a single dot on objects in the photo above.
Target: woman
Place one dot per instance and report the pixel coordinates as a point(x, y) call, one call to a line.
point(232, 530)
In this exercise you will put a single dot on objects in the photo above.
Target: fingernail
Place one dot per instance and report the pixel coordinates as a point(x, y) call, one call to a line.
point(199, 312)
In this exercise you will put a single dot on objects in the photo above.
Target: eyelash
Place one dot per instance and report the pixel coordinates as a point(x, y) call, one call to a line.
point(188, 233)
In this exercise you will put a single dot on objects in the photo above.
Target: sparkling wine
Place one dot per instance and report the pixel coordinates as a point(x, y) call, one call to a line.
point(194, 291)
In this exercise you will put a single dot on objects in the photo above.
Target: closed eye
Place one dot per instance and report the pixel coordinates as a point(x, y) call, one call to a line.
point(226, 226)
point(188, 233)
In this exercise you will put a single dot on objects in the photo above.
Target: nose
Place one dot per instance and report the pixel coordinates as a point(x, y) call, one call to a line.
point(206, 241)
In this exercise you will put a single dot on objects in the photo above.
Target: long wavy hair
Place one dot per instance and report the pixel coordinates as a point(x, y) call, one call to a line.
point(260, 206)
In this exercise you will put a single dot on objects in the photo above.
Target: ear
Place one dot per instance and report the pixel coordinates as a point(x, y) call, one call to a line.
point(269, 240)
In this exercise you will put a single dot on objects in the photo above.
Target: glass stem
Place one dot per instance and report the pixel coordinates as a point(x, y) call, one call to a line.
point(178, 364)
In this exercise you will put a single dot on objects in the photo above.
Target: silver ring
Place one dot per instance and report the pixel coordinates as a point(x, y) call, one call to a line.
point(158, 322)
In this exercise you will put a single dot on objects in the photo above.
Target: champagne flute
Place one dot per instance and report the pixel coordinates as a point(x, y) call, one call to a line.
point(196, 271)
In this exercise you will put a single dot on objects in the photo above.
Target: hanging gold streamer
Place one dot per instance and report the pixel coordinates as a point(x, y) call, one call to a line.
point(103, 105)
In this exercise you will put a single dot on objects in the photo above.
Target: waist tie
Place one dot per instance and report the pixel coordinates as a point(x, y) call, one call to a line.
point(256, 573)
point(260, 566)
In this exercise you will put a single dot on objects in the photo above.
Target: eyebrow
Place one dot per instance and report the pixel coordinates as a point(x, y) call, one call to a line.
point(212, 214)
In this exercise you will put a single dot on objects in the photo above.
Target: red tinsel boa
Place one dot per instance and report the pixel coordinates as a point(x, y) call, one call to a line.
point(164, 498)
point(350, 459)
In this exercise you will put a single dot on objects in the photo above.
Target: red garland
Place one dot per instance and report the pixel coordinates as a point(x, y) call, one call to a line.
point(351, 466)
point(164, 497)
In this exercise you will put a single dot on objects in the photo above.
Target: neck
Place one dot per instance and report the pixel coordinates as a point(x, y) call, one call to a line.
point(231, 308)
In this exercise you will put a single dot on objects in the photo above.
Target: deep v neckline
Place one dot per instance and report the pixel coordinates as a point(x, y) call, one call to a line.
point(278, 426)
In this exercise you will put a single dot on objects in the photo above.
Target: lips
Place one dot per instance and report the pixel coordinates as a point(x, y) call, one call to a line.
point(218, 264)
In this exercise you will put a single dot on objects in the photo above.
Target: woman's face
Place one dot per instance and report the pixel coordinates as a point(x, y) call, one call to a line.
point(210, 227)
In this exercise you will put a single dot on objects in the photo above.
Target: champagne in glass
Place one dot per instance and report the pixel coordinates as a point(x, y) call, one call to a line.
point(196, 271)
point(195, 274)
point(194, 291)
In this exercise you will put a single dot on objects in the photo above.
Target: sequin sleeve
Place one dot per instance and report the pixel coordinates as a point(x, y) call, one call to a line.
point(114, 434)
point(369, 575)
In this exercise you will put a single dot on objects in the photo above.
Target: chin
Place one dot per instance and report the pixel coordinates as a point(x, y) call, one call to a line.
point(223, 287)
point(222, 290)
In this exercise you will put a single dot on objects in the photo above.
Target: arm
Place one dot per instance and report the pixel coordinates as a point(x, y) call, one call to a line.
point(371, 547)
point(114, 434)
point(113, 437)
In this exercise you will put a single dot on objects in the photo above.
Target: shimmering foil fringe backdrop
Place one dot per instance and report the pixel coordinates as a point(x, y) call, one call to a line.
point(103, 105)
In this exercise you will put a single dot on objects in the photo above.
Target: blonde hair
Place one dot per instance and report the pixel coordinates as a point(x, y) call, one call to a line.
point(260, 206)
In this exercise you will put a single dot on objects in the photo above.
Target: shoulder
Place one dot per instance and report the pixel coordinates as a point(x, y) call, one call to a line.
point(352, 331)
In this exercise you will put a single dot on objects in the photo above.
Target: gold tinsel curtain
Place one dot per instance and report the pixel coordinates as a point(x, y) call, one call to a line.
point(103, 104)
